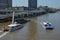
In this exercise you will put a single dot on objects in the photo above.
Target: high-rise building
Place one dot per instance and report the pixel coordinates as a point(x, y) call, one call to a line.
point(32, 4)
point(5, 4)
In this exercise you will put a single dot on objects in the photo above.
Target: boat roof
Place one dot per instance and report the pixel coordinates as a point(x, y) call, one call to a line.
point(11, 25)
point(46, 22)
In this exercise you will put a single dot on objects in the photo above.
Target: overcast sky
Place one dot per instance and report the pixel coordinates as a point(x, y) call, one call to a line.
point(50, 3)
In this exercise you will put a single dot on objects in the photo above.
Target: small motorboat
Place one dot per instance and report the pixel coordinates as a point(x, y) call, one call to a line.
point(48, 25)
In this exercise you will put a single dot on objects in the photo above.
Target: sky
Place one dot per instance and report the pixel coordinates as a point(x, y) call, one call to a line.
point(49, 3)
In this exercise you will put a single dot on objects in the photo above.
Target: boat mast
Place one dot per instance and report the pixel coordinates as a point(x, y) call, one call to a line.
point(13, 17)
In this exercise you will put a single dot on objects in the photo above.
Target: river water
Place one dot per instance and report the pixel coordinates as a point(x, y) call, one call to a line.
point(33, 30)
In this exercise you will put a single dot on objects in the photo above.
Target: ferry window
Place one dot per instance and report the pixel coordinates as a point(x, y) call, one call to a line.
point(46, 25)
point(49, 24)
point(12, 27)
point(17, 26)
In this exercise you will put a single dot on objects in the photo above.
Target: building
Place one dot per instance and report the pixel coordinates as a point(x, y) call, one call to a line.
point(20, 8)
point(5, 4)
point(32, 4)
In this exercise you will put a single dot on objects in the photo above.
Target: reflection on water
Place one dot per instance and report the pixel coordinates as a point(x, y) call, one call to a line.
point(4, 24)
point(32, 30)
point(49, 30)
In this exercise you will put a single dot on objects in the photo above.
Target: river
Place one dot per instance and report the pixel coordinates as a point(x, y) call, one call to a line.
point(33, 30)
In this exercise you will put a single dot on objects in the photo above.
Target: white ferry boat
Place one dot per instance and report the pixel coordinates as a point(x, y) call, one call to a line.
point(48, 25)
point(14, 26)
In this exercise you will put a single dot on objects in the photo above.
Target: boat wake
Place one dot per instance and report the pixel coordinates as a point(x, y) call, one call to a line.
point(1, 31)
point(42, 25)
point(2, 35)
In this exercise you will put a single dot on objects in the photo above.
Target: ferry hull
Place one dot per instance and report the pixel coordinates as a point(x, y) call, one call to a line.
point(47, 26)
point(14, 29)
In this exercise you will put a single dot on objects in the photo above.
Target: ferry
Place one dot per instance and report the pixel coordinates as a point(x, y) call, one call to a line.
point(13, 26)
point(48, 25)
